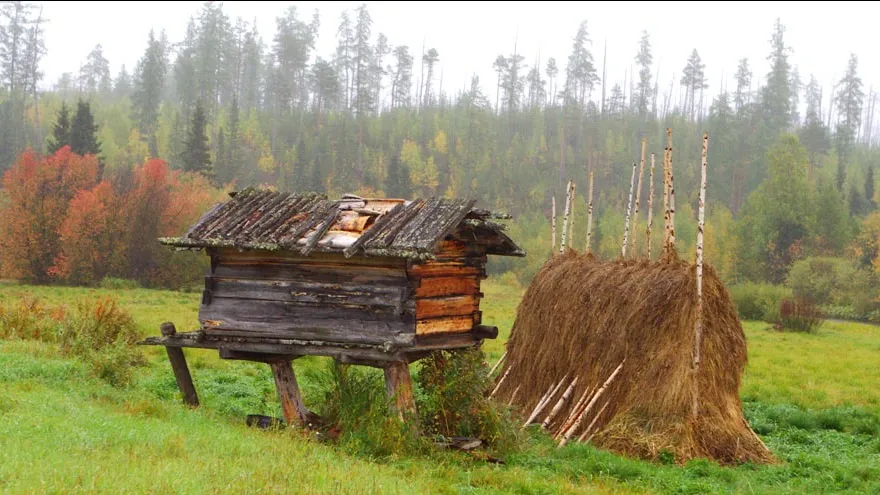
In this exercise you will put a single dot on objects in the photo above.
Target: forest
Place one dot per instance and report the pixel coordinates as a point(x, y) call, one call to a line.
point(100, 165)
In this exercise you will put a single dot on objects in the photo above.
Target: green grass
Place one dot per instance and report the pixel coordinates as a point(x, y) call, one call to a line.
point(813, 399)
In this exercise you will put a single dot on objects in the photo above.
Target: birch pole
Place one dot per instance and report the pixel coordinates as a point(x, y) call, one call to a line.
point(565, 217)
point(665, 198)
point(571, 217)
point(701, 215)
point(632, 180)
point(650, 206)
point(638, 199)
point(671, 191)
point(590, 214)
point(553, 227)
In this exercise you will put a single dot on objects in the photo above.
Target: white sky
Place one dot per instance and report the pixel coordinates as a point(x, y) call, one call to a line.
point(469, 35)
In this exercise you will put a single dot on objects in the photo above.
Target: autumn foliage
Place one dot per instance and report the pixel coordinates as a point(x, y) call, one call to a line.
point(58, 222)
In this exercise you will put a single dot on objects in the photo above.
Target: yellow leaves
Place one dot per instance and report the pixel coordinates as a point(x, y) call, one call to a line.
point(266, 163)
point(422, 173)
point(440, 142)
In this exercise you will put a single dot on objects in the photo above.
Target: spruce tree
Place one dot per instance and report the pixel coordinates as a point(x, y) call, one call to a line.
point(61, 132)
point(196, 155)
point(869, 188)
point(83, 131)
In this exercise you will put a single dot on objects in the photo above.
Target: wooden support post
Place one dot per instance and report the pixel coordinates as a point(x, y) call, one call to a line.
point(292, 405)
point(181, 370)
point(398, 384)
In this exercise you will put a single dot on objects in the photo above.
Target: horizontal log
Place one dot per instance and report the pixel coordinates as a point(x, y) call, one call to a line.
point(312, 293)
point(291, 313)
point(330, 274)
point(447, 286)
point(446, 269)
point(452, 324)
point(367, 334)
point(316, 258)
point(485, 332)
point(447, 306)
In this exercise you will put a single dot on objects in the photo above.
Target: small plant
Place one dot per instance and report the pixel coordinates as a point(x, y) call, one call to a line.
point(799, 315)
point(30, 319)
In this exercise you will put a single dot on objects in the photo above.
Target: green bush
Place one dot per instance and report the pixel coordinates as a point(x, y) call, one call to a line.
point(759, 301)
point(835, 282)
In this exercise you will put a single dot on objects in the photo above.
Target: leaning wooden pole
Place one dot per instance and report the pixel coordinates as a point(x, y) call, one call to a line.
point(590, 214)
point(671, 191)
point(701, 215)
point(638, 199)
point(632, 183)
point(650, 208)
point(553, 228)
point(665, 198)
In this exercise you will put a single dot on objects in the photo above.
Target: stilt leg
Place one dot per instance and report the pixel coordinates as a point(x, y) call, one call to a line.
point(181, 370)
point(292, 405)
point(398, 383)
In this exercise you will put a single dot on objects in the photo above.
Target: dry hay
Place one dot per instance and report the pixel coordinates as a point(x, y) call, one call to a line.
point(582, 317)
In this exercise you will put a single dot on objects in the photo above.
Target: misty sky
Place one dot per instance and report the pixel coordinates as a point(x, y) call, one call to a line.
point(469, 35)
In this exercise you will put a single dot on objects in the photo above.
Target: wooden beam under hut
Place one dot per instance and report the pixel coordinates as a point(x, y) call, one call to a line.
point(179, 367)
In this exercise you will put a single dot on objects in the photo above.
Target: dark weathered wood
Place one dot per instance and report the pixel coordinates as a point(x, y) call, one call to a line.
point(398, 384)
point(313, 272)
point(311, 293)
point(385, 236)
point(485, 332)
point(181, 370)
point(292, 405)
point(373, 231)
point(320, 231)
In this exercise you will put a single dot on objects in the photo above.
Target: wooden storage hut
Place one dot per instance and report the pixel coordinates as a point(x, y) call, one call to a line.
point(378, 282)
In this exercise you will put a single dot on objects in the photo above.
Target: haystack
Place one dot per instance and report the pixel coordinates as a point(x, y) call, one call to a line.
point(628, 325)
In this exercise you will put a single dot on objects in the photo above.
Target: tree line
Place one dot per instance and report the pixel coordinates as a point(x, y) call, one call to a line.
point(375, 118)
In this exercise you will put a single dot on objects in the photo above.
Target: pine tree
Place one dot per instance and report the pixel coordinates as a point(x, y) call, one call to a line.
point(84, 131)
point(196, 156)
point(61, 132)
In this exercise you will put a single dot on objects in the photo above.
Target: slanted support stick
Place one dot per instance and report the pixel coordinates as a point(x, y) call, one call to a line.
point(181, 370)
point(590, 215)
point(650, 208)
point(553, 228)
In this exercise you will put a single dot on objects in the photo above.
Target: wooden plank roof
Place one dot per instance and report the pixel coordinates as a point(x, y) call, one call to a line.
point(263, 219)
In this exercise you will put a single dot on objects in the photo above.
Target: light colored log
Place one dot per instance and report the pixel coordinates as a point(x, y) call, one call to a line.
point(650, 208)
point(558, 406)
point(632, 184)
point(565, 218)
point(665, 198)
point(595, 398)
point(575, 412)
point(544, 401)
point(671, 191)
point(635, 229)
point(589, 428)
point(590, 215)
point(492, 371)
point(701, 216)
point(500, 381)
point(553, 228)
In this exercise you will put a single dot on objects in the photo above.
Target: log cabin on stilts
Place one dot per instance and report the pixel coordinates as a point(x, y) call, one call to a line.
point(375, 282)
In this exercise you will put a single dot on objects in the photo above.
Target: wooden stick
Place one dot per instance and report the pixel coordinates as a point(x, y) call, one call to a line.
point(398, 385)
point(632, 184)
point(638, 198)
point(698, 325)
point(590, 427)
point(665, 198)
point(553, 412)
point(492, 371)
point(650, 207)
point(590, 215)
point(565, 217)
point(292, 406)
point(575, 412)
point(553, 227)
point(599, 393)
point(178, 365)
point(500, 381)
point(671, 191)
point(571, 219)
point(544, 401)
point(513, 396)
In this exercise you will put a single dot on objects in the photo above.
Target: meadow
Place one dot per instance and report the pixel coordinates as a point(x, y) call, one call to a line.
point(813, 398)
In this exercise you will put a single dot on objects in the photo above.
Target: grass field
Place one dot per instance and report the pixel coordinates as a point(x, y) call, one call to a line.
point(814, 399)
